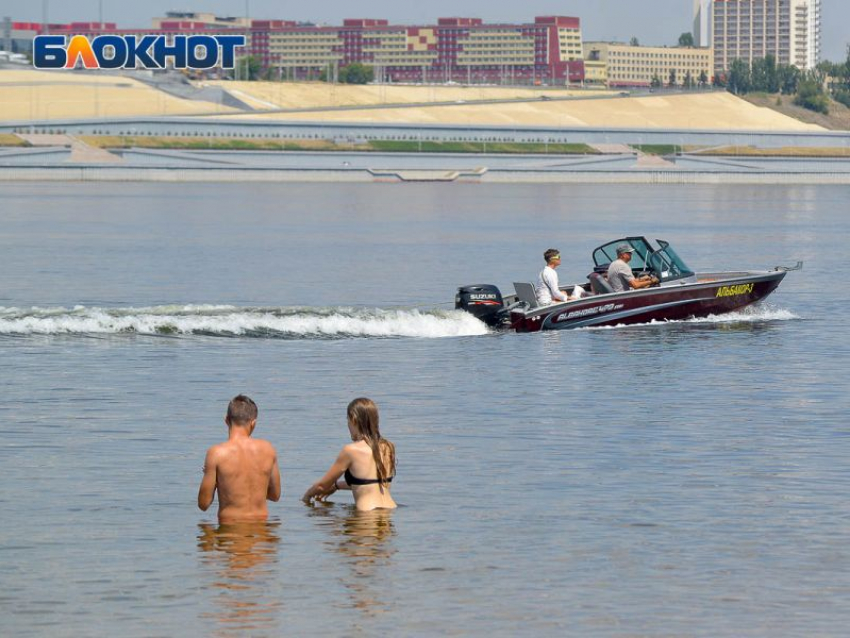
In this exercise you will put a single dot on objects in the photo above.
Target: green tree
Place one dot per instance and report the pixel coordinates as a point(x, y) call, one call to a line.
point(356, 73)
point(248, 67)
point(703, 79)
point(656, 81)
point(846, 74)
point(671, 80)
point(787, 78)
point(763, 75)
point(843, 96)
point(634, 42)
point(739, 80)
point(829, 69)
point(810, 94)
point(771, 77)
point(757, 75)
point(689, 80)
point(841, 86)
point(686, 40)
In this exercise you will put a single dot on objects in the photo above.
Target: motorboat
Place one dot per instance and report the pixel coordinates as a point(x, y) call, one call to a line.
point(679, 294)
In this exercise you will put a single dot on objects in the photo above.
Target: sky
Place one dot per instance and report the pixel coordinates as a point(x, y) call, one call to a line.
point(653, 22)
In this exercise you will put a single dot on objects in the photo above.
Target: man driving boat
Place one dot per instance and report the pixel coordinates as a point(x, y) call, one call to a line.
point(620, 275)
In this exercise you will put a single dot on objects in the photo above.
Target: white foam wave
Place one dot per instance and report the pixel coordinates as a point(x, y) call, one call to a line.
point(236, 321)
point(751, 314)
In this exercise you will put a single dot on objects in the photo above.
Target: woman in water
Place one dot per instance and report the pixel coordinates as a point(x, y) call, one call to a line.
point(366, 466)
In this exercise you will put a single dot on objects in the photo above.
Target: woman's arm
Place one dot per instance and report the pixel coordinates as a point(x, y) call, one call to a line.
point(327, 485)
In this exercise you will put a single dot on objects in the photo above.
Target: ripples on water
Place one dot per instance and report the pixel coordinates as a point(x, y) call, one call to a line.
point(239, 561)
point(667, 479)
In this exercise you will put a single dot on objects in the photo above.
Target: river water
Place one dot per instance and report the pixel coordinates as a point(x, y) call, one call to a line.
point(682, 479)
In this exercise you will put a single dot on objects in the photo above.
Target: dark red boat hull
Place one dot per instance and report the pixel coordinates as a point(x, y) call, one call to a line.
point(710, 296)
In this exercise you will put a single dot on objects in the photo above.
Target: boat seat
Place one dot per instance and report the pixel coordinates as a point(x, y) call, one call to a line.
point(599, 284)
point(525, 292)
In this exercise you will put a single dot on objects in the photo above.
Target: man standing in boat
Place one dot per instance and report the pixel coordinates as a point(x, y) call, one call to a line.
point(620, 275)
point(547, 289)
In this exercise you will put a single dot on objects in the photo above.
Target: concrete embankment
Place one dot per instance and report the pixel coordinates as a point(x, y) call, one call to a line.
point(68, 158)
point(114, 173)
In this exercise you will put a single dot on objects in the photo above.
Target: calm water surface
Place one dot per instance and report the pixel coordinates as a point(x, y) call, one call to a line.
point(685, 479)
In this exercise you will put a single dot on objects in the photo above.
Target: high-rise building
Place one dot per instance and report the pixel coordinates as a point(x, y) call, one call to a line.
point(702, 23)
point(747, 30)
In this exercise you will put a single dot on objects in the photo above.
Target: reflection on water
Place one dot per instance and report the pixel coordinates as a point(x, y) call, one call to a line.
point(364, 542)
point(242, 559)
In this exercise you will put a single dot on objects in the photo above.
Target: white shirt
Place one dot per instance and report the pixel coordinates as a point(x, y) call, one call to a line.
point(547, 287)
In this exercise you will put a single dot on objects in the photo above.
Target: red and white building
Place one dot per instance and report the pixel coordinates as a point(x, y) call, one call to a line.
point(465, 50)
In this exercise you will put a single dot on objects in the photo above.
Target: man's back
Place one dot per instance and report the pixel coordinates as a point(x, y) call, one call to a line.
point(244, 470)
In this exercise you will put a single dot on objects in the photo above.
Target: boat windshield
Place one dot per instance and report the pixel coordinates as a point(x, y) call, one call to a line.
point(604, 255)
point(666, 264)
point(657, 257)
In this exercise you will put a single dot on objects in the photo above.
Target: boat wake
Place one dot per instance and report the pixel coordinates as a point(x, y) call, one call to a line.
point(752, 314)
point(761, 313)
point(234, 321)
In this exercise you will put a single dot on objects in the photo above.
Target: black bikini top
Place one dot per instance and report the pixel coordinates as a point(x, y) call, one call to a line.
point(353, 480)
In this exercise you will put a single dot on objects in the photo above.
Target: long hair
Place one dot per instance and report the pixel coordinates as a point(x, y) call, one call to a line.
point(363, 413)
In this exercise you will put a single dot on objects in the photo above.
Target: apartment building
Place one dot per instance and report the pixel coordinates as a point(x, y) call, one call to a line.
point(18, 37)
point(195, 20)
point(626, 65)
point(790, 30)
point(547, 51)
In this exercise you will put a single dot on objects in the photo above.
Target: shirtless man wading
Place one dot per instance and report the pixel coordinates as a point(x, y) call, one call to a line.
point(242, 469)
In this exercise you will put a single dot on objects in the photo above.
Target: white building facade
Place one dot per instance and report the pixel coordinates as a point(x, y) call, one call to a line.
point(790, 30)
point(702, 23)
point(620, 64)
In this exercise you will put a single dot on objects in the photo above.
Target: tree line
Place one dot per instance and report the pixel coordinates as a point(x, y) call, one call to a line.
point(354, 73)
point(811, 89)
point(250, 68)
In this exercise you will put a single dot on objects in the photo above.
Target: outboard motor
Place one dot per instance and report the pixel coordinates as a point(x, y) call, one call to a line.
point(482, 300)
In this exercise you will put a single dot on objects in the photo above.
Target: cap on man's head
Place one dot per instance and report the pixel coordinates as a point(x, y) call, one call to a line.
point(624, 248)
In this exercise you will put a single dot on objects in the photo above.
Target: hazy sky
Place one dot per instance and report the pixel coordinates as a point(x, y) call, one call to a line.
point(651, 21)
